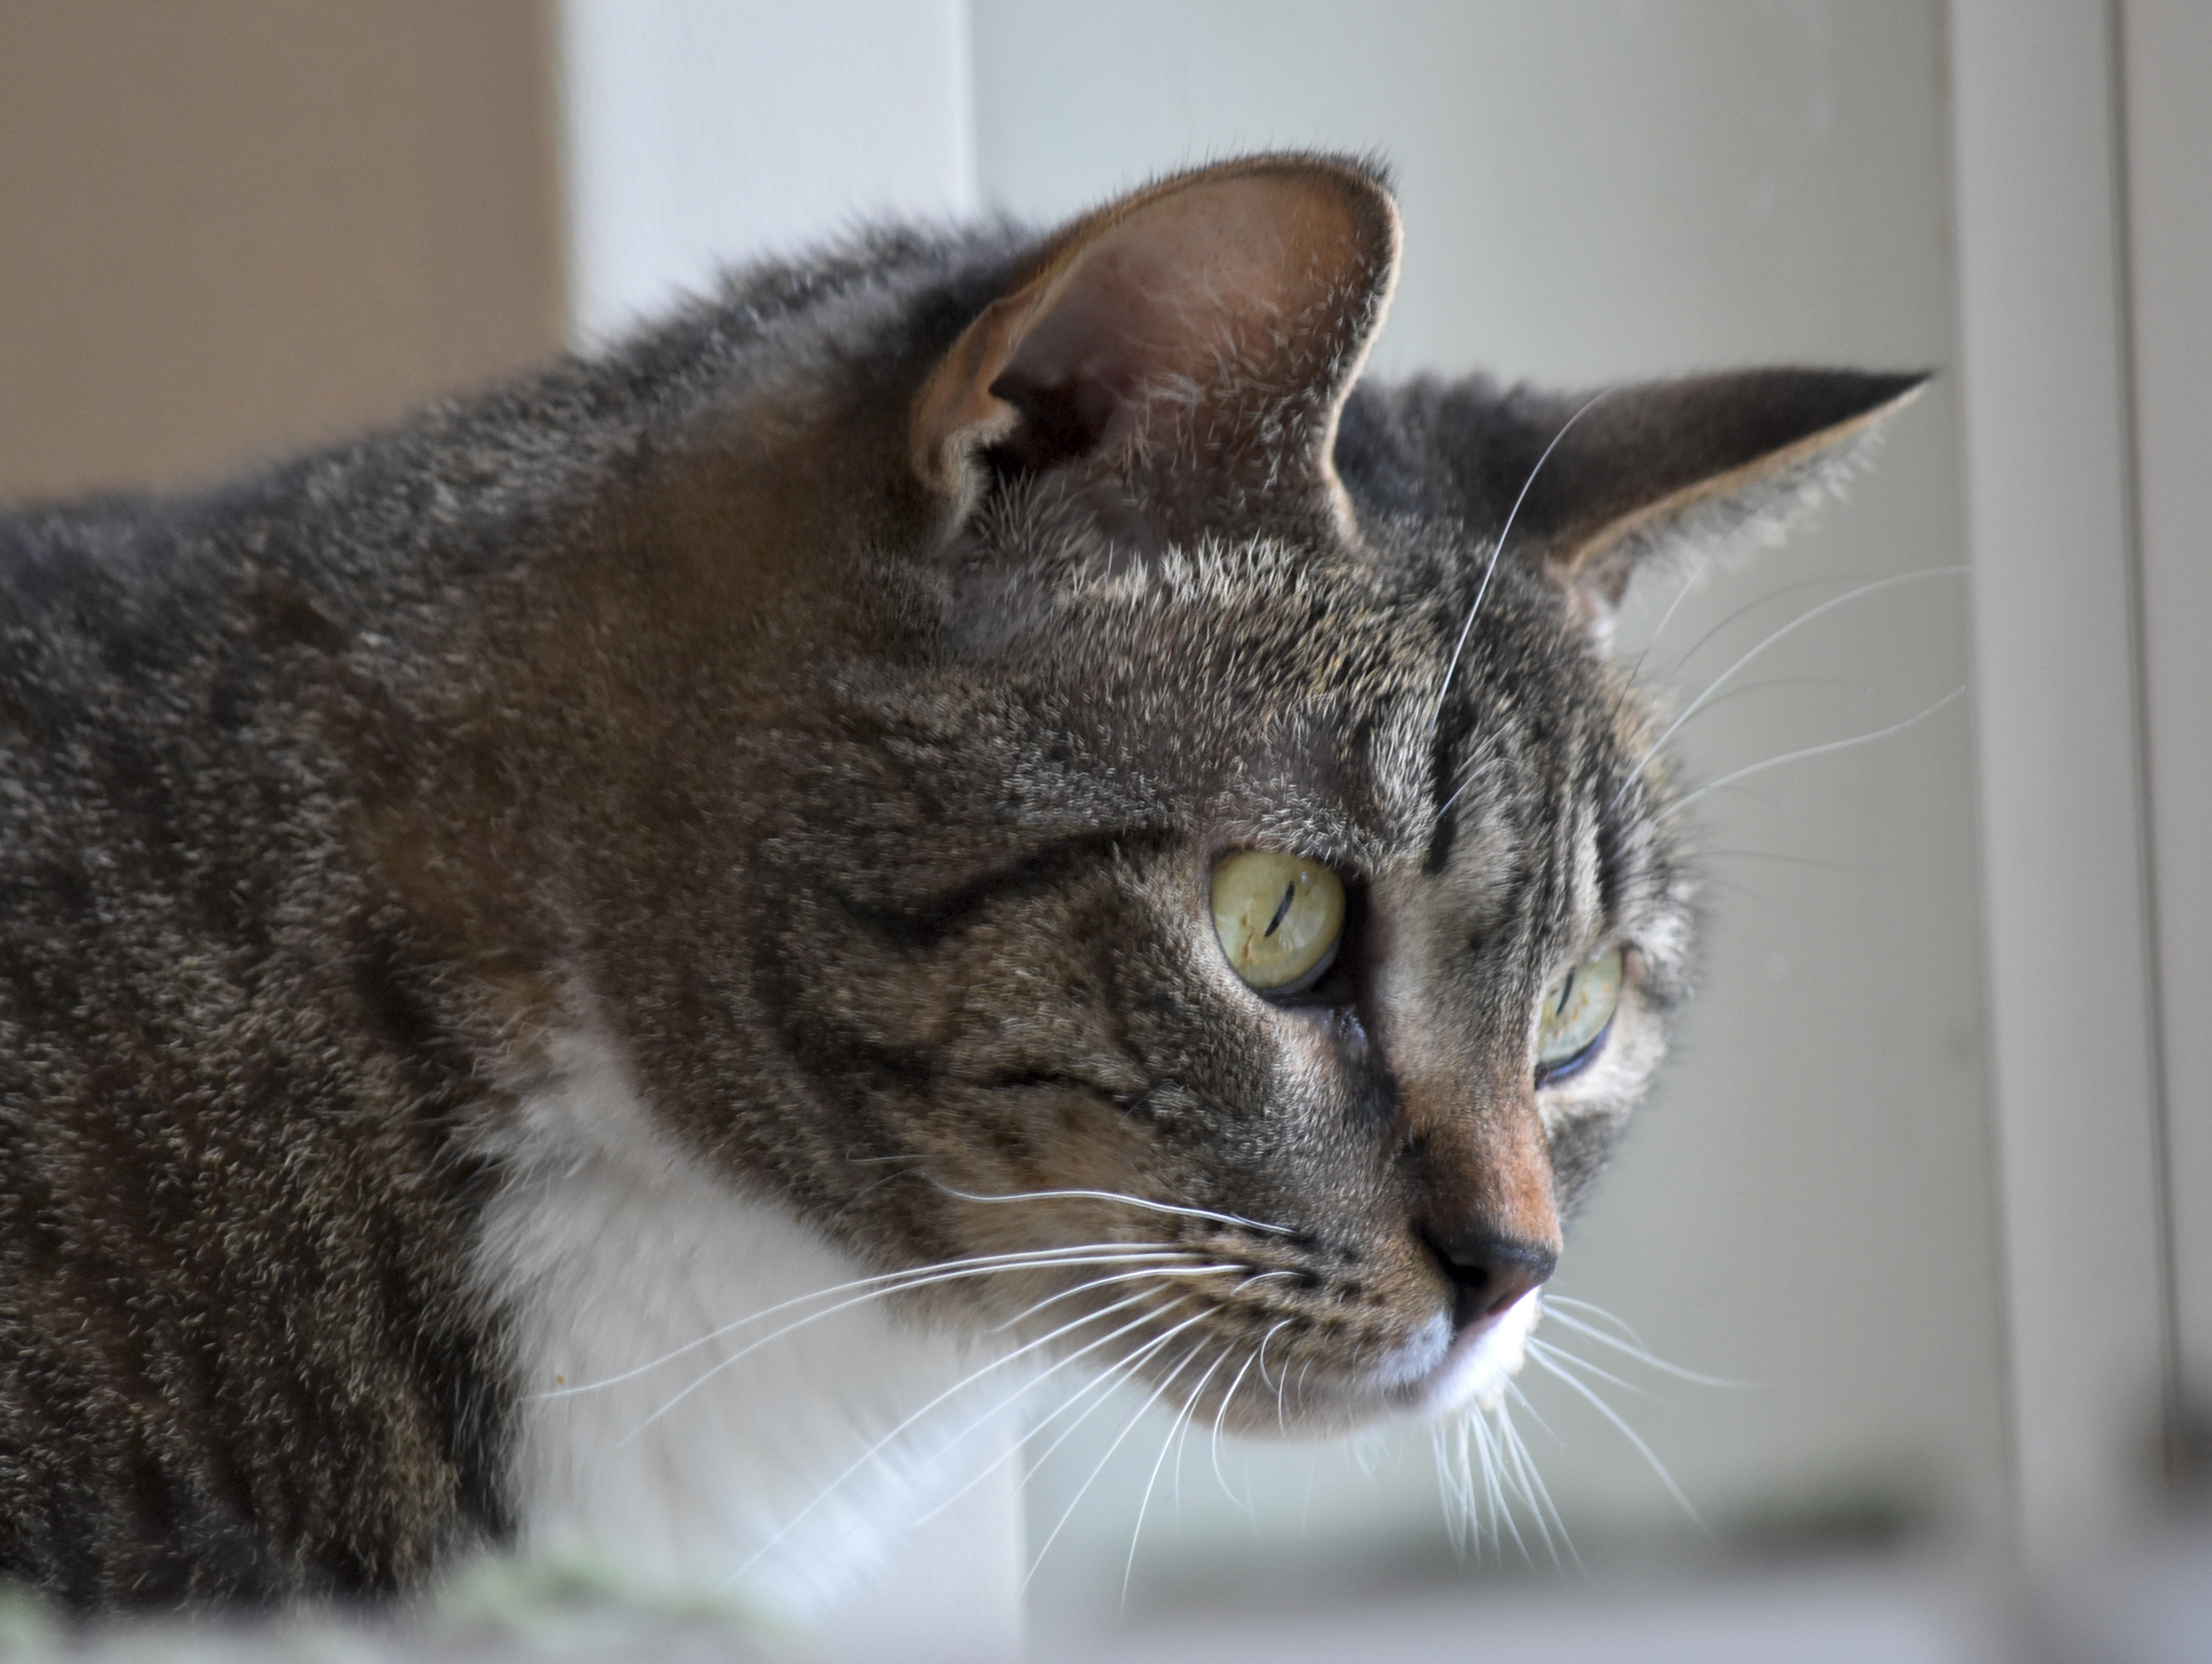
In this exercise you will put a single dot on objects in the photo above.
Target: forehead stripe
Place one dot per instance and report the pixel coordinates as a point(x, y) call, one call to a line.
point(1445, 765)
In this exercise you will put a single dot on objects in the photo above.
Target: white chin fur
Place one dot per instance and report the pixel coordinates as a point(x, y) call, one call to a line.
point(1480, 1363)
point(776, 1476)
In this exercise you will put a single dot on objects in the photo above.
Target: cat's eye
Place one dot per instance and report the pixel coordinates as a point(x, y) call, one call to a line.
point(1577, 1009)
point(1279, 917)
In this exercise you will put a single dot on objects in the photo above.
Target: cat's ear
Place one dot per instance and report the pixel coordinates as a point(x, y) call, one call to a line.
point(1213, 322)
point(1614, 477)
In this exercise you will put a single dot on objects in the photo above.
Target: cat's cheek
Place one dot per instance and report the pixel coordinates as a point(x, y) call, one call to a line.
point(1318, 1043)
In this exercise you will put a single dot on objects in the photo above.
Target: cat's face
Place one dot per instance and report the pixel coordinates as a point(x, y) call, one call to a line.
point(1367, 1136)
point(1231, 926)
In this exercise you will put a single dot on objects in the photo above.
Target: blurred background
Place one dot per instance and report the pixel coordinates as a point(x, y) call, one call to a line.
point(1927, 1187)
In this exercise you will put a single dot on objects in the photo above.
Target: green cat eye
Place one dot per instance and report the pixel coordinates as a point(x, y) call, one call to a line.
point(1279, 917)
point(1577, 1008)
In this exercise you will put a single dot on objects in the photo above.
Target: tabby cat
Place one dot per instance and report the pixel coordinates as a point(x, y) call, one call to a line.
point(988, 776)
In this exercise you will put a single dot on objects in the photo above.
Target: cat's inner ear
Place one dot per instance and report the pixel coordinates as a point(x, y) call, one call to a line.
point(1212, 324)
point(1643, 468)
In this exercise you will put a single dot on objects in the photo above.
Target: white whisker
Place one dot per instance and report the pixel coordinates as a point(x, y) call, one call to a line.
point(1539, 1494)
point(1443, 689)
point(1283, 1324)
point(1501, 1498)
point(1493, 1490)
point(1468, 1495)
point(1636, 772)
point(957, 1386)
point(1089, 1283)
point(1750, 606)
point(1689, 582)
point(1181, 1420)
point(1189, 1419)
point(1105, 1379)
point(1473, 1454)
point(886, 1282)
point(1510, 1463)
point(1219, 1416)
point(1751, 689)
point(1451, 1463)
point(1281, 1381)
point(1596, 1311)
point(1095, 1383)
point(1684, 802)
point(1473, 775)
point(751, 1347)
point(1534, 1414)
point(1552, 1300)
point(1604, 1374)
point(1165, 1383)
point(1463, 1502)
point(1628, 1433)
point(1103, 1383)
point(1641, 1354)
point(1146, 1203)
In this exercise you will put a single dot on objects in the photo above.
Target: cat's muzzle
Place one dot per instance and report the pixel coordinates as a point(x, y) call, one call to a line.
point(1456, 1366)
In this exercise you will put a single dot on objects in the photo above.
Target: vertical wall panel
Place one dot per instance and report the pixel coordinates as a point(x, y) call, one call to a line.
point(2048, 497)
point(2168, 68)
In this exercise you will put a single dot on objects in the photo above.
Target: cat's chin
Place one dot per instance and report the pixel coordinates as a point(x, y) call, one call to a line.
point(1476, 1365)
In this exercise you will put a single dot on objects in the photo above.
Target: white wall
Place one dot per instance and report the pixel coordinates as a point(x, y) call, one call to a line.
point(700, 133)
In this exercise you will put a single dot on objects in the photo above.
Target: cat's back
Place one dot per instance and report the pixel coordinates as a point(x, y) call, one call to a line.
point(90, 614)
point(137, 742)
point(206, 1049)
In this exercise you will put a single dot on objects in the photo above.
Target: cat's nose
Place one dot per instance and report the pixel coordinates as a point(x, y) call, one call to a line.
point(1490, 1272)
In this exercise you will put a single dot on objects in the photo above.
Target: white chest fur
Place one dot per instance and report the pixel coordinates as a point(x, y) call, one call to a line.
point(693, 1424)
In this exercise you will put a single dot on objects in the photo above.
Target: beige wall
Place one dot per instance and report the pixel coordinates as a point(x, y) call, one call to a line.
point(235, 225)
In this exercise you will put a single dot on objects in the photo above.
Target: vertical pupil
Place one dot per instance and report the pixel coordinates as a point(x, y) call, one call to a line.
point(1560, 1010)
point(1282, 907)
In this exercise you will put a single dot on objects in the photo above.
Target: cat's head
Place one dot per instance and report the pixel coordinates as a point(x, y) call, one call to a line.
point(1227, 884)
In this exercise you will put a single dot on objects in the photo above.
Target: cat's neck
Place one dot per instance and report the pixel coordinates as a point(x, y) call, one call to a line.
point(668, 1441)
